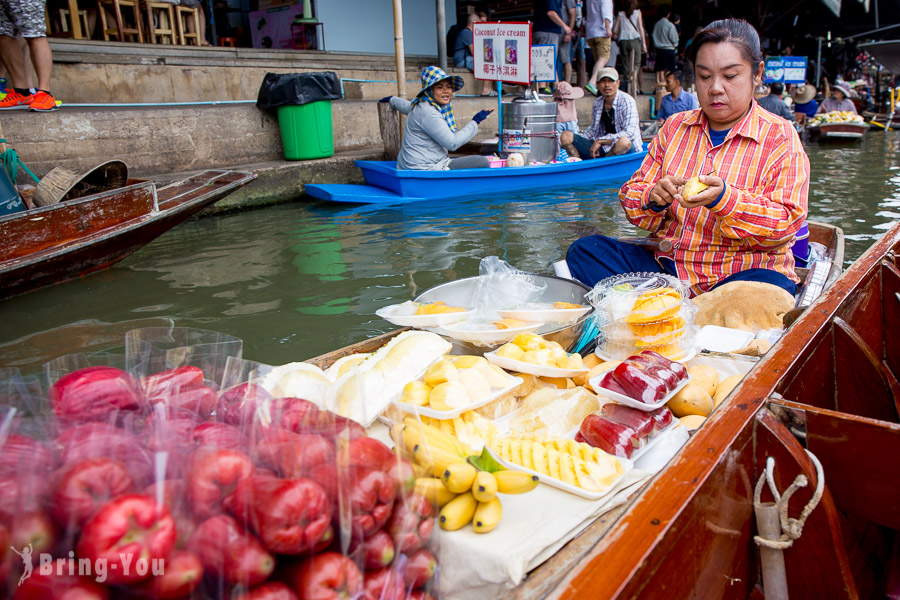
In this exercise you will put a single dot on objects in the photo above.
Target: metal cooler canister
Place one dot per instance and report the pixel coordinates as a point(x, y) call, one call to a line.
point(529, 127)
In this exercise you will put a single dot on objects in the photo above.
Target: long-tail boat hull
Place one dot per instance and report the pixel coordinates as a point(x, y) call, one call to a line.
point(70, 239)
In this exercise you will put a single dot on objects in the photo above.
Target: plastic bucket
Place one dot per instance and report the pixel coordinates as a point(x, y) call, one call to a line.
point(10, 202)
point(306, 131)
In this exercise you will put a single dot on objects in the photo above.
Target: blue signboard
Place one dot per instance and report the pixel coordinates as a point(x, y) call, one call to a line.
point(785, 69)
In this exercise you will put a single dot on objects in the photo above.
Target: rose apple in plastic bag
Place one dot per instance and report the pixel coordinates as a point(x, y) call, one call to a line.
point(411, 523)
point(290, 516)
point(219, 435)
point(126, 530)
point(370, 453)
point(384, 584)
point(34, 528)
point(230, 552)
point(419, 568)
point(173, 381)
point(98, 440)
point(326, 576)
point(81, 487)
point(375, 552)
point(237, 405)
point(95, 394)
point(273, 590)
point(60, 586)
point(21, 453)
point(293, 455)
point(22, 493)
point(212, 476)
point(182, 574)
point(370, 494)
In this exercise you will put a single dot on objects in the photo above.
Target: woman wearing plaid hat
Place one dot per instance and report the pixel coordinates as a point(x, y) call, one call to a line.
point(431, 131)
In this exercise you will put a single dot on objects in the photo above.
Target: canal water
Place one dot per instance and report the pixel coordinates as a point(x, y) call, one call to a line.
point(297, 280)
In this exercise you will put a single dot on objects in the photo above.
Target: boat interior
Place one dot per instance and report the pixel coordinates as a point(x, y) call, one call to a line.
point(829, 387)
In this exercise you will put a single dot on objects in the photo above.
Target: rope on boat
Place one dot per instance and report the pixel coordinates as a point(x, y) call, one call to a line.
point(12, 163)
point(791, 528)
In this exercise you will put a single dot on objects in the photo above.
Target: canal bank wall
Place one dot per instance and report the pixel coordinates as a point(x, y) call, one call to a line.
point(179, 110)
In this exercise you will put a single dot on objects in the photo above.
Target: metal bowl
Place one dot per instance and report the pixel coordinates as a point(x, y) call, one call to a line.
point(462, 292)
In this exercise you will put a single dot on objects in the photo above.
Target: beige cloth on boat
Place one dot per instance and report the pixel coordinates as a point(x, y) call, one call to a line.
point(748, 305)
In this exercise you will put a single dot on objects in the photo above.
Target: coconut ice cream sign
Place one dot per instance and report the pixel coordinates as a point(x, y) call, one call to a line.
point(502, 51)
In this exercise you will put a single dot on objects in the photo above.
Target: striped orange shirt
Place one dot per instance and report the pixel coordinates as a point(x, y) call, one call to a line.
point(753, 225)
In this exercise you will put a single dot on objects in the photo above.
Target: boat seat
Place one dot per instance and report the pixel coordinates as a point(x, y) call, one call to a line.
point(123, 29)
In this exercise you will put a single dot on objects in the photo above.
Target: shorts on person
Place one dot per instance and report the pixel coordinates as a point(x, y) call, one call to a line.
point(600, 46)
point(567, 126)
point(545, 38)
point(665, 60)
point(22, 18)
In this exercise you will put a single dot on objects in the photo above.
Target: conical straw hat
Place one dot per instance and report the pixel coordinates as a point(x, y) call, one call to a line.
point(62, 184)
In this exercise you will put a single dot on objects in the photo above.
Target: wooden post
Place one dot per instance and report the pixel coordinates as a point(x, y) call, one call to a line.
point(2, 137)
point(389, 125)
point(399, 56)
point(441, 33)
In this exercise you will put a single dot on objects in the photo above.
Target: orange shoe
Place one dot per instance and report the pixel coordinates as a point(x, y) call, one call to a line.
point(15, 100)
point(43, 102)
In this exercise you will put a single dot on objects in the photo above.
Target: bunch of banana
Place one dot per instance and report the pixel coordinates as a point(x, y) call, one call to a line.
point(474, 495)
point(429, 448)
point(566, 460)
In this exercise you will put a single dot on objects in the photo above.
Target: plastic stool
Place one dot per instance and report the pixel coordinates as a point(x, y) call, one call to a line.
point(228, 41)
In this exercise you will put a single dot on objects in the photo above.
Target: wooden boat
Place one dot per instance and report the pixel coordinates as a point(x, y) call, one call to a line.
point(879, 121)
point(688, 533)
point(841, 132)
point(67, 240)
point(386, 184)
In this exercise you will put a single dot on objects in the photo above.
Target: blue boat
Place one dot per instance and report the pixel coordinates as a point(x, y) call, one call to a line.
point(386, 184)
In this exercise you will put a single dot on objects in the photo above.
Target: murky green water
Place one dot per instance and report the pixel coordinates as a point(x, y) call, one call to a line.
point(297, 280)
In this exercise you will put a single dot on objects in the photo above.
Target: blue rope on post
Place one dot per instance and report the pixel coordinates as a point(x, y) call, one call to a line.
point(11, 163)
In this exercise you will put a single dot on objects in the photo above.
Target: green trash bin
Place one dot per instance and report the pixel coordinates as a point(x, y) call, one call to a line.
point(306, 130)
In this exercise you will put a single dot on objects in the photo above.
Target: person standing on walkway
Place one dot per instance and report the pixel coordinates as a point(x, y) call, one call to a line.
point(774, 103)
point(665, 40)
point(629, 33)
point(570, 10)
point(677, 100)
point(549, 24)
point(598, 28)
point(464, 50)
point(26, 18)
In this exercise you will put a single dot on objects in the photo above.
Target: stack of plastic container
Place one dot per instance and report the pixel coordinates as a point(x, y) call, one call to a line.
point(643, 311)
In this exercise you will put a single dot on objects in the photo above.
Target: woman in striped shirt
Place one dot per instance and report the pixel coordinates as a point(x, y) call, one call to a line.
point(742, 227)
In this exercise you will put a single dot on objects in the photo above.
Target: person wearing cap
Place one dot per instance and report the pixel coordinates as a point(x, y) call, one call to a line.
point(677, 100)
point(431, 131)
point(839, 101)
point(615, 128)
point(565, 96)
point(805, 105)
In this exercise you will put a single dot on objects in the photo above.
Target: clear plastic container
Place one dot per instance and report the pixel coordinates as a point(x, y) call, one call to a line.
point(638, 298)
point(680, 350)
point(658, 333)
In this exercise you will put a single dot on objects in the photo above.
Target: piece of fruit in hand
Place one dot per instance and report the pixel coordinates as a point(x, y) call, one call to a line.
point(692, 187)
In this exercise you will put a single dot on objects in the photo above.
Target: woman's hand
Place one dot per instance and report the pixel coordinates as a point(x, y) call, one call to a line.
point(481, 115)
point(665, 191)
point(707, 196)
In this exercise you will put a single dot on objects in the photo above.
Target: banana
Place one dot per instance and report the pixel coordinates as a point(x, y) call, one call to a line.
point(437, 458)
point(458, 512)
point(458, 477)
point(487, 515)
point(435, 436)
point(515, 482)
point(434, 490)
point(484, 488)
